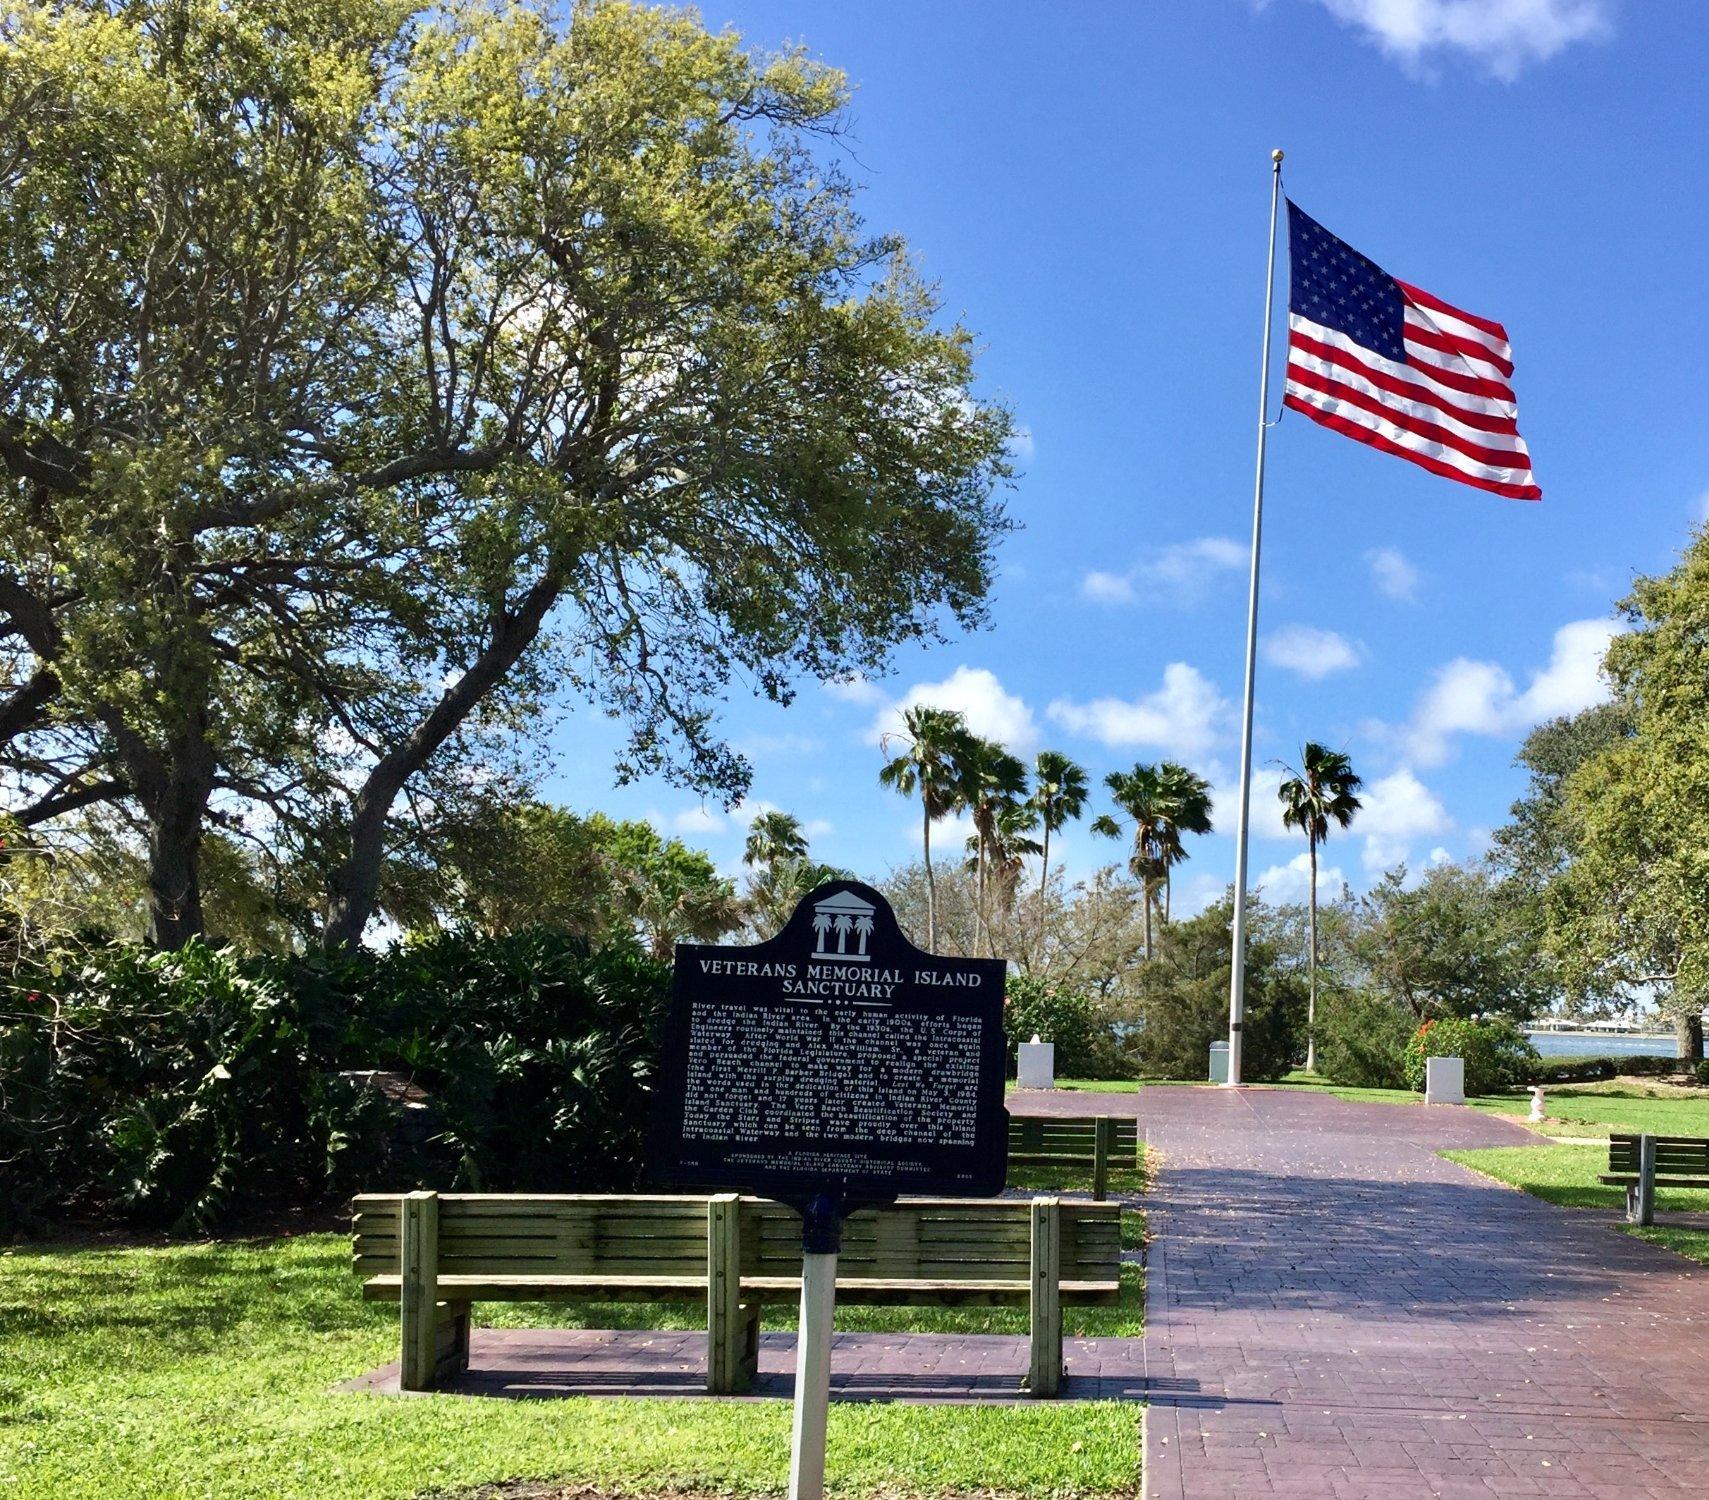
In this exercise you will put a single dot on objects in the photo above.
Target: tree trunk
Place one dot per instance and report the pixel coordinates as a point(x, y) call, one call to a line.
point(931, 884)
point(1043, 886)
point(1311, 968)
point(1145, 895)
point(174, 876)
point(1168, 897)
point(1688, 1037)
point(354, 883)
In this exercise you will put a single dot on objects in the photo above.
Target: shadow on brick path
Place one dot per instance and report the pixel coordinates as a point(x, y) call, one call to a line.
point(1358, 1317)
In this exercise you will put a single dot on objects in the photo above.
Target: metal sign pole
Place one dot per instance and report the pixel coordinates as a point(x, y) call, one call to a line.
point(821, 1238)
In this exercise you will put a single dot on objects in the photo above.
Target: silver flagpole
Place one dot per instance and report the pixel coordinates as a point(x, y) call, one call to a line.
point(1237, 977)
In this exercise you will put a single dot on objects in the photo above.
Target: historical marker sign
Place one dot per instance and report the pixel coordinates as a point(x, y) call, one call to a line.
point(836, 1059)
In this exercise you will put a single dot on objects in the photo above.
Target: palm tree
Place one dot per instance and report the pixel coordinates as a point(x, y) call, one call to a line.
point(1190, 795)
point(1162, 802)
point(934, 741)
point(992, 780)
point(1012, 840)
point(1059, 795)
point(773, 837)
point(1321, 792)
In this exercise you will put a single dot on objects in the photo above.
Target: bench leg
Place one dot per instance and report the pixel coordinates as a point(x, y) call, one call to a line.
point(418, 1293)
point(451, 1342)
point(1044, 1374)
point(1103, 1140)
point(1643, 1209)
point(732, 1329)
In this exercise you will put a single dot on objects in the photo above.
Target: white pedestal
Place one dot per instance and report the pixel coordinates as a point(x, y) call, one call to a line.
point(1444, 1080)
point(1037, 1066)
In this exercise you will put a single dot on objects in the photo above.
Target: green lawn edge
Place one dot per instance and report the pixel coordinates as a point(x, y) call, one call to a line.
point(190, 1370)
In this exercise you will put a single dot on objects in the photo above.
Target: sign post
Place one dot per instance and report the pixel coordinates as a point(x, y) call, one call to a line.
point(821, 1235)
point(832, 1068)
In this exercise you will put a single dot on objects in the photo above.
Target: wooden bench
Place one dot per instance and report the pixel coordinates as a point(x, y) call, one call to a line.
point(1644, 1162)
point(1055, 1140)
point(438, 1253)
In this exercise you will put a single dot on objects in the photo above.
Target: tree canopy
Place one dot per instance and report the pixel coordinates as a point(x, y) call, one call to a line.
point(375, 378)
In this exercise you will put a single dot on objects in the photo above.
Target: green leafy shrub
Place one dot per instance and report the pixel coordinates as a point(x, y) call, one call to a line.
point(1361, 1040)
point(1495, 1052)
point(1702, 1070)
point(1587, 1069)
point(176, 1089)
point(1183, 1003)
point(1085, 1043)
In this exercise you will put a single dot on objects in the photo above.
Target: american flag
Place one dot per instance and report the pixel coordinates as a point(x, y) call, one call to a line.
point(1390, 365)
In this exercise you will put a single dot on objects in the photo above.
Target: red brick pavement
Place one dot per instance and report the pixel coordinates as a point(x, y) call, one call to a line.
point(1333, 1310)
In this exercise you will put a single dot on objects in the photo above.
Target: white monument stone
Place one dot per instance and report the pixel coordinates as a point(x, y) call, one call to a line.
point(1537, 1115)
point(1037, 1067)
point(1444, 1080)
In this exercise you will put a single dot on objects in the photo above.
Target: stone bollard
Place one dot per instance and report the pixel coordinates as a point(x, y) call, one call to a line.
point(1537, 1105)
point(1444, 1080)
point(1036, 1064)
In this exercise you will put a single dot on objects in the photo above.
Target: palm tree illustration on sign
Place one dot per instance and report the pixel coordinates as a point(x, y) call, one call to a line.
point(842, 914)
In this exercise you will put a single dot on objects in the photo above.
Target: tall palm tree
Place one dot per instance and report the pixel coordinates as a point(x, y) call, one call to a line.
point(1321, 792)
point(1190, 796)
point(1059, 795)
point(992, 780)
point(1012, 841)
point(772, 837)
point(1162, 802)
point(933, 742)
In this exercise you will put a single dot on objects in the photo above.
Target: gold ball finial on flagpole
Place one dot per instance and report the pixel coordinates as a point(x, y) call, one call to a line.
point(1276, 156)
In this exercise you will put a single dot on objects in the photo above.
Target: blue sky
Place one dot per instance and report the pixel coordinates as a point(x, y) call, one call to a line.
point(1088, 185)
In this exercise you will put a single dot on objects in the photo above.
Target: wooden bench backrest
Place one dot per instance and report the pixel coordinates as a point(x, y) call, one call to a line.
point(1676, 1155)
point(1068, 1135)
point(945, 1239)
point(595, 1234)
point(509, 1234)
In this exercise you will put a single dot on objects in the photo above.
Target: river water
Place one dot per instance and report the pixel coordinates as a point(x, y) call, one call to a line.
point(1601, 1044)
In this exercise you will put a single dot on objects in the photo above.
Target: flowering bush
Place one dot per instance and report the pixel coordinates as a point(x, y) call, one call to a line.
point(1496, 1053)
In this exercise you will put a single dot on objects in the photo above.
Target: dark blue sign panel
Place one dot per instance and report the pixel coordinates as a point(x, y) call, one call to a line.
point(835, 1059)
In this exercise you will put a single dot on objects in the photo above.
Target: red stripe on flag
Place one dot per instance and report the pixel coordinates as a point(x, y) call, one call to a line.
point(1329, 354)
point(1496, 458)
point(1448, 343)
point(1427, 299)
point(1383, 444)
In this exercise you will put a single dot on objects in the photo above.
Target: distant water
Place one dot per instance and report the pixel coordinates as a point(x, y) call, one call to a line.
point(1601, 1044)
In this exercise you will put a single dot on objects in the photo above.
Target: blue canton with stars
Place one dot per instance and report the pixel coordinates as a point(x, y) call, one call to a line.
point(1333, 284)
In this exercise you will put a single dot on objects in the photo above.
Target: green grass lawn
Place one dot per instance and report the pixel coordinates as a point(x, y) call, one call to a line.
point(205, 1370)
point(1567, 1175)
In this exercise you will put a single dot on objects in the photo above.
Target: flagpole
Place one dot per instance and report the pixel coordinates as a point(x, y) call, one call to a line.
point(1237, 976)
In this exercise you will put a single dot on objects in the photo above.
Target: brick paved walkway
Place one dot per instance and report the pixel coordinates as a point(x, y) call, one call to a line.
point(1332, 1310)
point(864, 1366)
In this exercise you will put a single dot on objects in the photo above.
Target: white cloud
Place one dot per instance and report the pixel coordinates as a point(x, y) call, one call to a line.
point(1021, 446)
point(1185, 716)
point(1440, 856)
point(1500, 36)
point(1309, 651)
point(1394, 576)
point(1479, 697)
point(975, 693)
point(1182, 571)
point(755, 746)
point(1292, 881)
point(1266, 820)
point(1700, 511)
point(1109, 588)
point(1397, 809)
point(698, 820)
point(861, 690)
